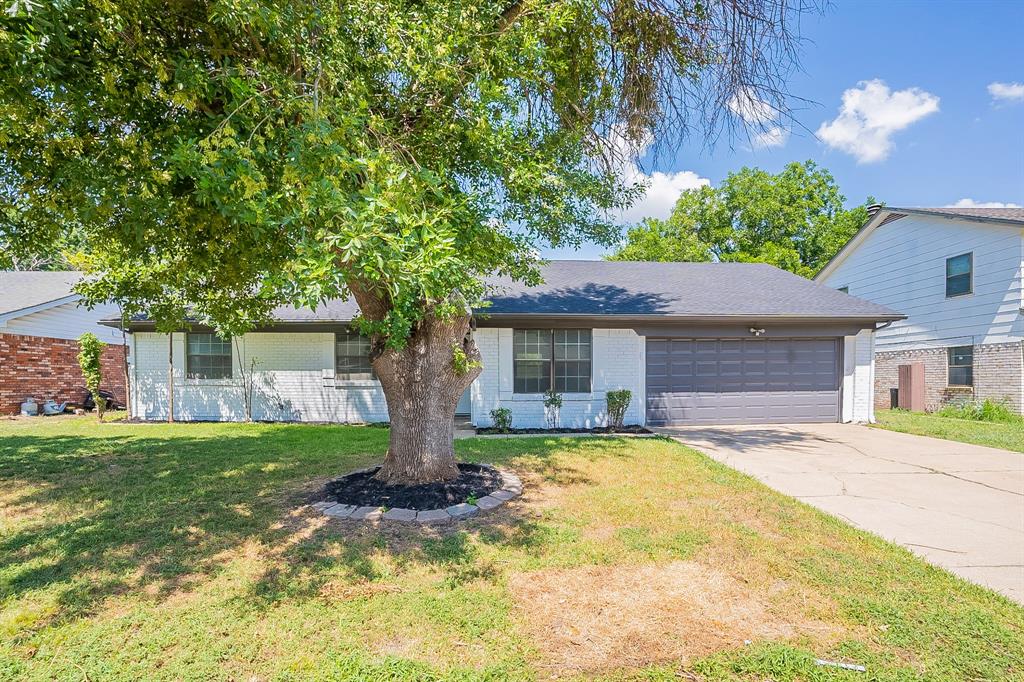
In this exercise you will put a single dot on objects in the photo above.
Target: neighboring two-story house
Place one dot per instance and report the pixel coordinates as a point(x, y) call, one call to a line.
point(956, 273)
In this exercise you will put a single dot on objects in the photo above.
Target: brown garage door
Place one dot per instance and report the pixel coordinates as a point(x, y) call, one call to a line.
point(736, 381)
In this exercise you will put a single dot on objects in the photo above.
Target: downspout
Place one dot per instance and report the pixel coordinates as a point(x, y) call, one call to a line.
point(135, 370)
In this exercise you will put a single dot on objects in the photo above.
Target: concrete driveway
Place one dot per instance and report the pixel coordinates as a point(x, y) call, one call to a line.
point(959, 506)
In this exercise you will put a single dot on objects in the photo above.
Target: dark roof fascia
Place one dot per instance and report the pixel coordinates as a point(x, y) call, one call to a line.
point(559, 321)
point(632, 321)
point(278, 326)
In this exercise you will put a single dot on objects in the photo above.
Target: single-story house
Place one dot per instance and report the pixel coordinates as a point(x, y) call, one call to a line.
point(958, 275)
point(696, 343)
point(41, 319)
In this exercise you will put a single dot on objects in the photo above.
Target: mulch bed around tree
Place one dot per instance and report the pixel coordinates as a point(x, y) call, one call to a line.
point(629, 428)
point(361, 490)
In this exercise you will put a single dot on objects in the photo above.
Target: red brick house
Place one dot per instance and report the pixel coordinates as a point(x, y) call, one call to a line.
point(41, 319)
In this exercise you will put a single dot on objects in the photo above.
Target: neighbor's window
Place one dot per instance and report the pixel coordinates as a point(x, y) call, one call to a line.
point(961, 366)
point(844, 289)
point(207, 356)
point(543, 358)
point(959, 273)
point(352, 356)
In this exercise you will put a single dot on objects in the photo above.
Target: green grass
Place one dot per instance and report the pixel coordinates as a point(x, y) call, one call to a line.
point(1006, 435)
point(183, 552)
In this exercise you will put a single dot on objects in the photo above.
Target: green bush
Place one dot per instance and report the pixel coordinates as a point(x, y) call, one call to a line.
point(618, 403)
point(502, 418)
point(987, 410)
point(90, 350)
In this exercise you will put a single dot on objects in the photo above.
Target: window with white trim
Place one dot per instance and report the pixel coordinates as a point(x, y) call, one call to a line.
point(207, 356)
point(959, 275)
point(546, 358)
point(352, 356)
point(961, 366)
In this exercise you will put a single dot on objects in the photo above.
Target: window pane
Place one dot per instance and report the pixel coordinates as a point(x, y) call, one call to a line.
point(572, 360)
point(961, 366)
point(958, 285)
point(207, 356)
point(572, 376)
point(531, 365)
point(958, 275)
point(958, 265)
point(352, 356)
point(532, 344)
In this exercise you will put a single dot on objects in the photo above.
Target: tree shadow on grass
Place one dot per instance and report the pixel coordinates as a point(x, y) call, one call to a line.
point(119, 513)
point(155, 510)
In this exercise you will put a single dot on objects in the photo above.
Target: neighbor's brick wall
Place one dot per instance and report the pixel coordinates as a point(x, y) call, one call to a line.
point(998, 374)
point(44, 367)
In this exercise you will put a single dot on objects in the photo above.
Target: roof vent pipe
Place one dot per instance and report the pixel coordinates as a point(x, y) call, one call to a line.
point(874, 208)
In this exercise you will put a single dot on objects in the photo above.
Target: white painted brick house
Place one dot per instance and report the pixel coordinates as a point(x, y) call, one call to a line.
point(694, 342)
point(957, 275)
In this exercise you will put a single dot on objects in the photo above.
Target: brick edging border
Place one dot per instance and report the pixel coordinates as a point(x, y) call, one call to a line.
point(511, 487)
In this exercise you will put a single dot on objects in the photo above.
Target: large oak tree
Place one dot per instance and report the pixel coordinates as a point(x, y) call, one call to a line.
point(221, 157)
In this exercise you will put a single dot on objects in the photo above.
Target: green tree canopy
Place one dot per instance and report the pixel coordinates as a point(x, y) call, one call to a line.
point(794, 220)
point(221, 157)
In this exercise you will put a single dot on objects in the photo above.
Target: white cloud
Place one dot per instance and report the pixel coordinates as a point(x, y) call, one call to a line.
point(773, 137)
point(1010, 92)
point(662, 189)
point(971, 203)
point(760, 118)
point(871, 113)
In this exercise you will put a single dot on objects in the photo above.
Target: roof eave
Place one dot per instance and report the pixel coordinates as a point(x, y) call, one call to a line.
point(148, 325)
point(38, 307)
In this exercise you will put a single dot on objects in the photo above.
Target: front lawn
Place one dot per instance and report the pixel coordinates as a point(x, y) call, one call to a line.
point(168, 552)
point(1006, 435)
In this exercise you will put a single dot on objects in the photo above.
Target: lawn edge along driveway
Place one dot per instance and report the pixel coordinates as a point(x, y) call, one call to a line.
point(960, 506)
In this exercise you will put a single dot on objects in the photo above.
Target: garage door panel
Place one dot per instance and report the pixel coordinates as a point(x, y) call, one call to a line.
point(724, 381)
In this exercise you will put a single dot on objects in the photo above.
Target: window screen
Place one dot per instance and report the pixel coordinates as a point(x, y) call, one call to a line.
point(961, 366)
point(543, 358)
point(352, 356)
point(958, 275)
point(572, 360)
point(207, 356)
point(531, 360)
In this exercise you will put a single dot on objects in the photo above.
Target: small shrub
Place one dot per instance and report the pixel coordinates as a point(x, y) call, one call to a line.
point(90, 350)
point(987, 410)
point(502, 418)
point(618, 403)
point(552, 407)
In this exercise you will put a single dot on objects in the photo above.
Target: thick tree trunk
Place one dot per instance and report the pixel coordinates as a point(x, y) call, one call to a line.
point(422, 386)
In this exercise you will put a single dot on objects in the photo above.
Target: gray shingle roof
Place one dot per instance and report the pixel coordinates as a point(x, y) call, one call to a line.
point(1007, 214)
point(25, 289)
point(643, 289)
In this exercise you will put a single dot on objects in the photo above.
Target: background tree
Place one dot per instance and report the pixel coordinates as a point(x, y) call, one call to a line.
point(794, 220)
point(222, 157)
point(89, 355)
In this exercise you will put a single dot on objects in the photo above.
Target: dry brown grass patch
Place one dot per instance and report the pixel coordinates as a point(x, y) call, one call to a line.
point(603, 617)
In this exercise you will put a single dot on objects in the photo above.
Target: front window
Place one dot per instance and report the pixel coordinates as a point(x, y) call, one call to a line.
point(352, 356)
point(546, 358)
point(961, 366)
point(959, 274)
point(208, 356)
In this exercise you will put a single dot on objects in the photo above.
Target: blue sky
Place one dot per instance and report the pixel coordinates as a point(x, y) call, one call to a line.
point(934, 111)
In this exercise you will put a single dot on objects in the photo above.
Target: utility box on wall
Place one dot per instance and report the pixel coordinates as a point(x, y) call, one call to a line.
point(911, 387)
